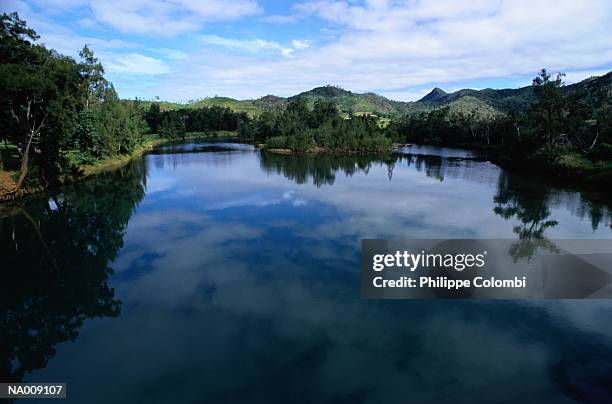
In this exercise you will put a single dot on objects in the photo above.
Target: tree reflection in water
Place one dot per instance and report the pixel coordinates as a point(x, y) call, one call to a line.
point(56, 272)
point(55, 265)
point(516, 197)
point(322, 169)
point(530, 205)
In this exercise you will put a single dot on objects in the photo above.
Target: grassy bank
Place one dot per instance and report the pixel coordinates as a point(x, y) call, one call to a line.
point(561, 165)
point(80, 170)
point(109, 163)
point(564, 166)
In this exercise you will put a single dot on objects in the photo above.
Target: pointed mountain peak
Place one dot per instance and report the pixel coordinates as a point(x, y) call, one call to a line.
point(433, 95)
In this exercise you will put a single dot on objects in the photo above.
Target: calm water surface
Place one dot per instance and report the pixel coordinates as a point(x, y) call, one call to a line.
point(210, 272)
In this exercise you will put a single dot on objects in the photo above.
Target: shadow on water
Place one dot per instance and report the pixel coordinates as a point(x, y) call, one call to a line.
point(55, 258)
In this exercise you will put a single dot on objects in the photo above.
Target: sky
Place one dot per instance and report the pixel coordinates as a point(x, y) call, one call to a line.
point(181, 50)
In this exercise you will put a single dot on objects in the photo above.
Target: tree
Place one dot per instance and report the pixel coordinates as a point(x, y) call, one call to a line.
point(549, 107)
point(154, 117)
point(39, 90)
point(87, 136)
point(172, 125)
point(324, 111)
point(92, 73)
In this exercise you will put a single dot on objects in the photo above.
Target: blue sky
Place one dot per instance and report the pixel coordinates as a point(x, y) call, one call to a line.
point(181, 50)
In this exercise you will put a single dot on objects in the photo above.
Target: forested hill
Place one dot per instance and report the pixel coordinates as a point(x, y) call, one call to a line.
point(484, 102)
point(507, 99)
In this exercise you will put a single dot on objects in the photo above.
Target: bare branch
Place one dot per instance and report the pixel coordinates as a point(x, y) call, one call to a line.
point(15, 116)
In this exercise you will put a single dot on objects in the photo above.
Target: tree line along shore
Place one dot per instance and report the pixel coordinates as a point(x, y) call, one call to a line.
point(61, 119)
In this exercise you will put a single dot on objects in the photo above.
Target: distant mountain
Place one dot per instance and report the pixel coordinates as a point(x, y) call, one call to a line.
point(433, 96)
point(502, 100)
point(235, 105)
point(269, 102)
point(598, 88)
point(348, 101)
point(487, 102)
point(506, 99)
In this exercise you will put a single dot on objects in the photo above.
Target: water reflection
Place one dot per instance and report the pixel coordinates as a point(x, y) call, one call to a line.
point(323, 169)
point(320, 170)
point(530, 207)
point(55, 258)
point(527, 201)
point(238, 280)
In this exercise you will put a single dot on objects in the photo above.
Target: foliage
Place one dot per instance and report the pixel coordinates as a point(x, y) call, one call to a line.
point(154, 117)
point(49, 104)
point(561, 127)
point(39, 97)
point(52, 106)
point(301, 129)
point(548, 109)
point(276, 142)
point(177, 122)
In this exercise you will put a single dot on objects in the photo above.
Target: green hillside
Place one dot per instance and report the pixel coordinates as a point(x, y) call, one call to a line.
point(469, 105)
point(485, 103)
point(506, 99)
point(350, 102)
point(247, 106)
point(235, 105)
point(269, 102)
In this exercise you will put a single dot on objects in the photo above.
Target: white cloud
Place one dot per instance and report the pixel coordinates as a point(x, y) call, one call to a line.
point(395, 48)
point(61, 4)
point(221, 10)
point(134, 63)
point(169, 18)
point(87, 23)
point(172, 54)
point(11, 6)
point(398, 47)
point(248, 45)
point(300, 44)
point(280, 19)
point(141, 18)
point(579, 75)
point(70, 43)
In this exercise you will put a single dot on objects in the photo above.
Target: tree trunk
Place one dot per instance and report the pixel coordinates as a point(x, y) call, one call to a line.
point(595, 140)
point(23, 172)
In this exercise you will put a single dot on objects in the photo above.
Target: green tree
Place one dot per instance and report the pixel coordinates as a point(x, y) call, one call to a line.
point(86, 132)
point(92, 73)
point(39, 93)
point(549, 107)
point(154, 117)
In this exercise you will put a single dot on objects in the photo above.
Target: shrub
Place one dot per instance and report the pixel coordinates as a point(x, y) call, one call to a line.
point(276, 142)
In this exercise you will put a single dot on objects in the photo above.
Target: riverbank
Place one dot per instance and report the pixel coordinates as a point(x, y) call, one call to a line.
point(566, 168)
point(561, 166)
point(111, 163)
point(325, 150)
point(80, 171)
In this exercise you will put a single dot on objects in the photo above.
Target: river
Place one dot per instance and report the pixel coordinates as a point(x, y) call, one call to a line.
point(214, 272)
